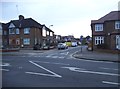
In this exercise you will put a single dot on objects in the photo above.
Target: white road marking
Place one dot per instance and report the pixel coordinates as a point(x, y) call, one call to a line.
point(48, 56)
point(74, 68)
point(54, 74)
point(42, 74)
point(54, 56)
point(108, 68)
point(4, 69)
point(52, 63)
point(113, 83)
point(61, 57)
point(65, 53)
point(5, 64)
point(91, 72)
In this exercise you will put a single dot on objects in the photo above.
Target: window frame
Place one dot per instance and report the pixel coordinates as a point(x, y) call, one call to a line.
point(26, 30)
point(26, 41)
point(17, 31)
point(117, 24)
point(98, 27)
point(11, 31)
point(99, 40)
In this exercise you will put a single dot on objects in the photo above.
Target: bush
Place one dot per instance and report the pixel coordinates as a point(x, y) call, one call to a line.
point(101, 46)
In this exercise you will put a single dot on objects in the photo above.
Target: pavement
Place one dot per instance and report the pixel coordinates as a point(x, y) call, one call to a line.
point(96, 55)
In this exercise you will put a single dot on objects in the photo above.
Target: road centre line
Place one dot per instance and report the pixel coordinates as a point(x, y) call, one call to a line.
point(113, 83)
point(108, 68)
point(52, 63)
point(54, 74)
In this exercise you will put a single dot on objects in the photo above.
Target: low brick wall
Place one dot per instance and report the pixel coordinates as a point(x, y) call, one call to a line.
point(9, 50)
point(108, 51)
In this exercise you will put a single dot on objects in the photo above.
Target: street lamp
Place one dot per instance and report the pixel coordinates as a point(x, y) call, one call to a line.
point(50, 26)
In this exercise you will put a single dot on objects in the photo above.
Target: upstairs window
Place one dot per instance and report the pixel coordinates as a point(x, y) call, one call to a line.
point(117, 25)
point(26, 30)
point(11, 31)
point(51, 34)
point(98, 27)
point(5, 32)
point(17, 31)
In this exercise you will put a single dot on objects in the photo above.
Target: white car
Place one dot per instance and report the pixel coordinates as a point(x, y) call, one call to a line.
point(74, 44)
point(62, 46)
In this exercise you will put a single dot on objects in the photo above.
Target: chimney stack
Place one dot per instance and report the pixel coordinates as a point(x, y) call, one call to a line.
point(21, 17)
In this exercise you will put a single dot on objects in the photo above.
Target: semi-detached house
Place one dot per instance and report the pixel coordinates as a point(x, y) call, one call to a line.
point(106, 31)
point(25, 33)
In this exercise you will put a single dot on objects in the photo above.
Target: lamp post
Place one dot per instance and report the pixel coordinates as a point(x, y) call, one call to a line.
point(50, 26)
point(50, 39)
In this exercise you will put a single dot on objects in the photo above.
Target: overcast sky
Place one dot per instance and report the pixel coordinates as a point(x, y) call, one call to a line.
point(68, 17)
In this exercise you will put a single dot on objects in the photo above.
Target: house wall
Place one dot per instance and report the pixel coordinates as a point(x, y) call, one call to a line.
point(110, 39)
point(109, 34)
point(96, 33)
point(35, 34)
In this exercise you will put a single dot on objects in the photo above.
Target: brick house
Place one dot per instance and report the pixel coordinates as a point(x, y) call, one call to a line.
point(4, 35)
point(24, 33)
point(106, 31)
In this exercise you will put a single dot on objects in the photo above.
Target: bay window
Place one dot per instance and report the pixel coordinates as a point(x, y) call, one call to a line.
point(99, 40)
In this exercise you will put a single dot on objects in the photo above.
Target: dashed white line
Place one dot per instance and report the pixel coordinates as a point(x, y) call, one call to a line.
point(48, 56)
point(108, 68)
point(61, 57)
point(52, 63)
point(54, 56)
point(4, 69)
point(113, 83)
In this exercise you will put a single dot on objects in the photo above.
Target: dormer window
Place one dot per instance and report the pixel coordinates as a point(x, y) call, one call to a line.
point(11, 31)
point(98, 27)
point(117, 25)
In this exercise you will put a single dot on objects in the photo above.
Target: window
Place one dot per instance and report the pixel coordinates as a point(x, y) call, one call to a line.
point(99, 40)
point(117, 25)
point(51, 34)
point(5, 33)
point(26, 30)
point(26, 41)
point(47, 32)
point(44, 32)
point(11, 31)
point(17, 31)
point(99, 27)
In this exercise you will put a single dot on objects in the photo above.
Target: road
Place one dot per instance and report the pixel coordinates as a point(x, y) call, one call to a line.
point(57, 68)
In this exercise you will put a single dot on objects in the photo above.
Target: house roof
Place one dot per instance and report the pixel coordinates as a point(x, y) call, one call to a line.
point(5, 25)
point(29, 22)
point(114, 15)
point(48, 29)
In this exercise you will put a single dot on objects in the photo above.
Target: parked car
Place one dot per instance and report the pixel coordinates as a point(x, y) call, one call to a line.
point(46, 47)
point(36, 47)
point(74, 44)
point(62, 46)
